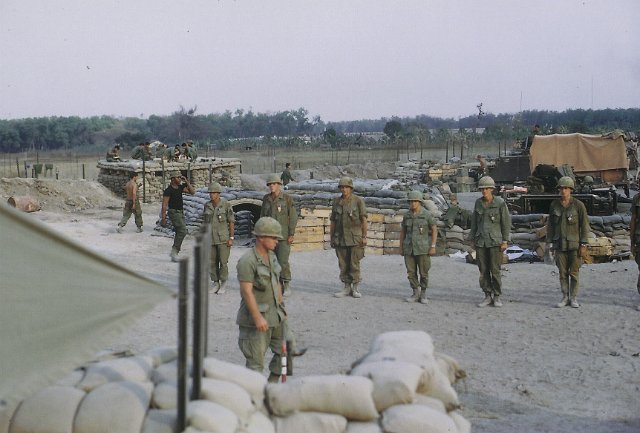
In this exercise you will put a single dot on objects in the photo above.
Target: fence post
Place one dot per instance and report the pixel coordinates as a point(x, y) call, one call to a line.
point(182, 345)
point(144, 181)
point(200, 308)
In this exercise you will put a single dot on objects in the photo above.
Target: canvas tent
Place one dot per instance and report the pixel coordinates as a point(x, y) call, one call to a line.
point(604, 157)
point(61, 304)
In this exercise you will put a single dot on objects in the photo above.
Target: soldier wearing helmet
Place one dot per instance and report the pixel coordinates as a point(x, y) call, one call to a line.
point(219, 214)
point(348, 234)
point(490, 229)
point(286, 176)
point(279, 205)
point(634, 232)
point(418, 235)
point(567, 236)
point(173, 206)
point(261, 316)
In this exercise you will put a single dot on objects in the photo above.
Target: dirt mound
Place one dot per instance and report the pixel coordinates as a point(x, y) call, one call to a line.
point(66, 195)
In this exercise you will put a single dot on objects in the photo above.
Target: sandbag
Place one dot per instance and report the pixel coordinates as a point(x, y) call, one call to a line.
point(162, 355)
point(437, 385)
point(258, 423)
point(432, 402)
point(416, 418)
point(229, 395)
point(311, 422)
point(134, 368)
point(418, 341)
point(252, 381)
point(168, 372)
point(349, 396)
point(165, 396)
point(464, 426)
point(51, 410)
point(449, 367)
point(72, 379)
point(363, 427)
point(211, 417)
point(160, 421)
point(115, 407)
point(394, 382)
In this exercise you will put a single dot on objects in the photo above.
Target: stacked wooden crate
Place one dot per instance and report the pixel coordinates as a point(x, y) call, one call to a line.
point(312, 231)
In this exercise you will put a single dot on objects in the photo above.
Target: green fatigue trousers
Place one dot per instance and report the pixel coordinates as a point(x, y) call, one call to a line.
point(418, 266)
point(128, 210)
point(283, 249)
point(637, 257)
point(349, 263)
point(177, 219)
point(253, 345)
point(489, 260)
point(569, 264)
point(219, 258)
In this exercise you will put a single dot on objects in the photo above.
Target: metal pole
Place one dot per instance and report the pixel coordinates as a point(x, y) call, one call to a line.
point(144, 182)
point(83, 177)
point(210, 173)
point(163, 178)
point(200, 310)
point(182, 345)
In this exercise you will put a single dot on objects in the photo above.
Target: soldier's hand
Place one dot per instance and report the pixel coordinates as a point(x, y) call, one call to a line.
point(261, 324)
point(333, 244)
point(582, 252)
point(363, 243)
point(432, 251)
point(473, 244)
point(503, 246)
point(290, 240)
point(230, 242)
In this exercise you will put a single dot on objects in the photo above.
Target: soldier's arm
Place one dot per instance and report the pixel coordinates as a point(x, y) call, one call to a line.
point(505, 218)
point(550, 226)
point(632, 225)
point(134, 194)
point(293, 218)
point(163, 211)
point(190, 189)
point(246, 291)
point(585, 228)
point(434, 239)
point(363, 220)
point(403, 234)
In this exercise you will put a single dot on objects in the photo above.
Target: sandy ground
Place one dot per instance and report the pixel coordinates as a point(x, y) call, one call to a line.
point(531, 367)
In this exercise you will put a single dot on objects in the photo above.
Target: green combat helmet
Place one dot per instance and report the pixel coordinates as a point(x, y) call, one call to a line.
point(346, 181)
point(414, 196)
point(274, 178)
point(267, 226)
point(588, 179)
point(567, 182)
point(215, 187)
point(486, 182)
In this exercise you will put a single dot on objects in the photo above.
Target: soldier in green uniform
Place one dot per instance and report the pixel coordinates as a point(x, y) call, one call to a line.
point(490, 228)
point(142, 152)
point(567, 236)
point(348, 234)
point(279, 206)
point(261, 317)
point(418, 236)
point(114, 154)
point(219, 213)
point(286, 176)
point(173, 206)
point(132, 205)
point(634, 232)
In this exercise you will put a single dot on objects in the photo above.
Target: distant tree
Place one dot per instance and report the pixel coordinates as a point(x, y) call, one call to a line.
point(392, 129)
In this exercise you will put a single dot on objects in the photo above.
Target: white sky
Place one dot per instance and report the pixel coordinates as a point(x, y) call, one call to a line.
point(340, 59)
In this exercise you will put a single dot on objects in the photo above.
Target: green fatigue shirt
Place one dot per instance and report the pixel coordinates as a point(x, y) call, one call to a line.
point(265, 278)
point(140, 153)
point(567, 227)
point(635, 210)
point(286, 177)
point(192, 153)
point(417, 228)
point(282, 210)
point(219, 217)
point(346, 214)
point(490, 225)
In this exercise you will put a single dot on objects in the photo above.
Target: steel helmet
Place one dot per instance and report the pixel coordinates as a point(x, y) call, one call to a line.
point(566, 181)
point(486, 182)
point(267, 226)
point(274, 178)
point(588, 179)
point(414, 196)
point(215, 187)
point(346, 181)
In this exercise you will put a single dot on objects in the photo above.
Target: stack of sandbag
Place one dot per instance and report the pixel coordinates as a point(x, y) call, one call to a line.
point(453, 239)
point(243, 227)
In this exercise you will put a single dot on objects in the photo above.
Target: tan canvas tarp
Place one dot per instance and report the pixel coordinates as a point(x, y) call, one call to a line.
point(61, 304)
point(585, 153)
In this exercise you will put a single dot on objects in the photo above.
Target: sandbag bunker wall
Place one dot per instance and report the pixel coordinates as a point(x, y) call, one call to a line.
point(115, 175)
point(401, 385)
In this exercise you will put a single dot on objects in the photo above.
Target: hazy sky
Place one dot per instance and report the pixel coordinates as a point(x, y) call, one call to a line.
point(340, 59)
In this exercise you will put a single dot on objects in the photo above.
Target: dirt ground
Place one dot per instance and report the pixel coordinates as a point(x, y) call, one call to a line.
point(531, 367)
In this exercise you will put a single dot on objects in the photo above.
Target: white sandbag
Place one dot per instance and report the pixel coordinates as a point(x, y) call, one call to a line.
point(463, 424)
point(134, 368)
point(165, 396)
point(416, 418)
point(229, 395)
point(167, 372)
point(349, 396)
point(449, 367)
point(437, 385)
point(211, 417)
point(51, 410)
point(160, 421)
point(432, 402)
point(363, 427)
point(394, 382)
point(258, 423)
point(115, 407)
point(310, 422)
point(162, 355)
point(419, 341)
point(72, 379)
point(252, 381)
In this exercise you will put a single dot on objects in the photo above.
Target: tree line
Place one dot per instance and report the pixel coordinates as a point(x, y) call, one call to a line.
point(286, 128)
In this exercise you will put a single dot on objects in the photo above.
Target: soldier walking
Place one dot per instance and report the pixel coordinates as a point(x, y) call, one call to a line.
point(490, 228)
point(418, 236)
point(348, 234)
point(567, 236)
point(279, 206)
point(132, 204)
point(286, 176)
point(219, 213)
point(173, 206)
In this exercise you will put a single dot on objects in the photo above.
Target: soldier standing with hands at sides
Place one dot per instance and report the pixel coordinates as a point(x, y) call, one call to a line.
point(418, 236)
point(567, 236)
point(286, 176)
point(132, 205)
point(261, 318)
point(279, 206)
point(219, 213)
point(348, 234)
point(172, 205)
point(634, 231)
point(490, 228)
